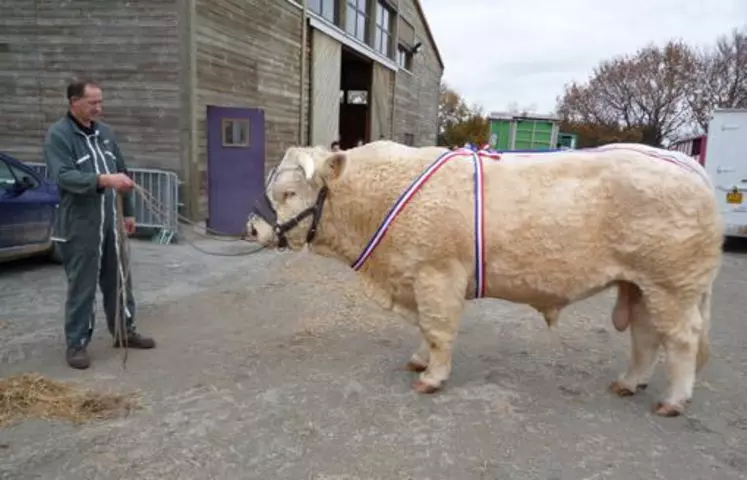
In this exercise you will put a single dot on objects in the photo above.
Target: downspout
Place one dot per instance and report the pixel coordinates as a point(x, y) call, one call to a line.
point(302, 116)
point(192, 170)
point(394, 105)
point(395, 46)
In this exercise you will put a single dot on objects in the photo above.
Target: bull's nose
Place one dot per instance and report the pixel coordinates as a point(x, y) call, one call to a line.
point(249, 233)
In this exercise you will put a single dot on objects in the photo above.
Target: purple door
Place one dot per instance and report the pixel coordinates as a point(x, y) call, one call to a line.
point(235, 165)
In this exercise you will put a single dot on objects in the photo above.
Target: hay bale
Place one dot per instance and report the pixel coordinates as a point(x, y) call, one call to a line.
point(30, 395)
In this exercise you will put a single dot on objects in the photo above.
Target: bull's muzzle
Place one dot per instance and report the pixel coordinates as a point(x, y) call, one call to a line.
point(263, 209)
point(249, 233)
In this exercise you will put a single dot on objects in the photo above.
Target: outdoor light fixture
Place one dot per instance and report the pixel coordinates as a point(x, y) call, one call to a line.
point(416, 48)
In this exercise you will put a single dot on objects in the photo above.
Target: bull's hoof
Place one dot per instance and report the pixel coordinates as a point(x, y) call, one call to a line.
point(422, 387)
point(668, 409)
point(415, 366)
point(620, 390)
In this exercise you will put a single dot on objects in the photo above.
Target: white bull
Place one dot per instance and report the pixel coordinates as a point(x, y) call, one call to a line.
point(558, 228)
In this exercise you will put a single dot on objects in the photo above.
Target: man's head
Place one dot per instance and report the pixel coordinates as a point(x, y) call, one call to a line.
point(85, 99)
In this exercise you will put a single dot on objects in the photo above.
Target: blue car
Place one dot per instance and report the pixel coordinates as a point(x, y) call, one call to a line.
point(28, 212)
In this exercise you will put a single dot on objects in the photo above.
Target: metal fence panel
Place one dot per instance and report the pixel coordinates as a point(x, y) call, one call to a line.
point(163, 213)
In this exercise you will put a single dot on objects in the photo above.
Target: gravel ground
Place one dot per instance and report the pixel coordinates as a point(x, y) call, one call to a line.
point(274, 366)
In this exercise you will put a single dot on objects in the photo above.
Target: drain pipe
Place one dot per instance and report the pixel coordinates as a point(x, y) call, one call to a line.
point(302, 116)
point(392, 116)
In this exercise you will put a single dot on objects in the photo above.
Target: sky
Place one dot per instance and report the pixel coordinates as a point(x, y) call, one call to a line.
point(522, 52)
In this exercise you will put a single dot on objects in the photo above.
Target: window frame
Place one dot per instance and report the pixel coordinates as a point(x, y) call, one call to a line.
point(383, 29)
point(352, 10)
point(3, 184)
point(404, 58)
point(349, 94)
point(235, 121)
point(18, 174)
point(327, 9)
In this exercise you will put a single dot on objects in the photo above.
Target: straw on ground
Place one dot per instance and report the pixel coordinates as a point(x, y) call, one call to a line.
point(30, 395)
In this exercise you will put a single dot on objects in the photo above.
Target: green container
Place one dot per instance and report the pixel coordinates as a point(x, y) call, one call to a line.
point(519, 132)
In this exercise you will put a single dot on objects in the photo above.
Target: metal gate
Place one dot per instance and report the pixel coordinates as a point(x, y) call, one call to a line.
point(163, 187)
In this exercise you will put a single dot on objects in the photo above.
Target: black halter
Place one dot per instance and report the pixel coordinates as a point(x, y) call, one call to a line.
point(263, 209)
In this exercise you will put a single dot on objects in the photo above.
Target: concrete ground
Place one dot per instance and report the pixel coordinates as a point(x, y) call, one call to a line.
point(274, 366)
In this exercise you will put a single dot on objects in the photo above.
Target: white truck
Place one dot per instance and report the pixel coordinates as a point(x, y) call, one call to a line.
point(726, 164)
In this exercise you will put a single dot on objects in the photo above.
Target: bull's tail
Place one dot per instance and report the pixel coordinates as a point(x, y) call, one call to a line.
point(704, 343)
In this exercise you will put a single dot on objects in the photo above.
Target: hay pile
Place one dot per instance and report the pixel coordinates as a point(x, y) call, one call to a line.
point(31, 395)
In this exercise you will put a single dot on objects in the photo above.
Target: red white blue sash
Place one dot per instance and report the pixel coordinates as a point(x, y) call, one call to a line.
point(415, 186)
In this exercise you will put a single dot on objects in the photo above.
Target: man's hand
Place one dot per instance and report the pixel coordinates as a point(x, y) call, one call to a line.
point(129, 225)
point(118, 181)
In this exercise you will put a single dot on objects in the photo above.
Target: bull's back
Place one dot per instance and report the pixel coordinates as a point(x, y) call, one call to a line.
point(563, 224)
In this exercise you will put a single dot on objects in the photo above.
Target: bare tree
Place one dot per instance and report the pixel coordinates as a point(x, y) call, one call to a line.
point(719, 78)
point(645, 92)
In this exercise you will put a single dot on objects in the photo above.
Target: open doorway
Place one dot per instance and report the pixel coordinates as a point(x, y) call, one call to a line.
point(355, 89)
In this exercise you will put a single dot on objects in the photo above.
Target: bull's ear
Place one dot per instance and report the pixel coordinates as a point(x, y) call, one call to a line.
point(333, 166)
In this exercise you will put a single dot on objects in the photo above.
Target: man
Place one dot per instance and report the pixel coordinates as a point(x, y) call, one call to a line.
point(83, 157)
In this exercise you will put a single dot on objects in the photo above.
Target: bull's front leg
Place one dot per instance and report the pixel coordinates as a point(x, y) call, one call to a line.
point(439, 293)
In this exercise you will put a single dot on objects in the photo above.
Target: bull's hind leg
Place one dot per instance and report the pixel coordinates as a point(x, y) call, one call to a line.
point(679, 323)
point(681, 346)
point(644, 349)
point(440, 298)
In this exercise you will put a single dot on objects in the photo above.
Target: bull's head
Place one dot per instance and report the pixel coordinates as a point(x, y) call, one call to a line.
point(287, 215)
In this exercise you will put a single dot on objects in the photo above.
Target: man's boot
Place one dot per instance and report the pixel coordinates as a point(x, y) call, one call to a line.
point(134, 340)
point(77, 357)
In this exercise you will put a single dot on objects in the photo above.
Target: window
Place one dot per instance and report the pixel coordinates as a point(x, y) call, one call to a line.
point(357, 97)
point(383, 34)
point(324, 8)
point(10, 176)
point(409, 139)
point(356, 19)
point(697, 144)
point(235, 132)
point(7, 179)
point(404, 57)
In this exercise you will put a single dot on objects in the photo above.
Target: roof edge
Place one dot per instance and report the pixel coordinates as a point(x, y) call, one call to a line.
point(531, 116)
point(429, 32)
